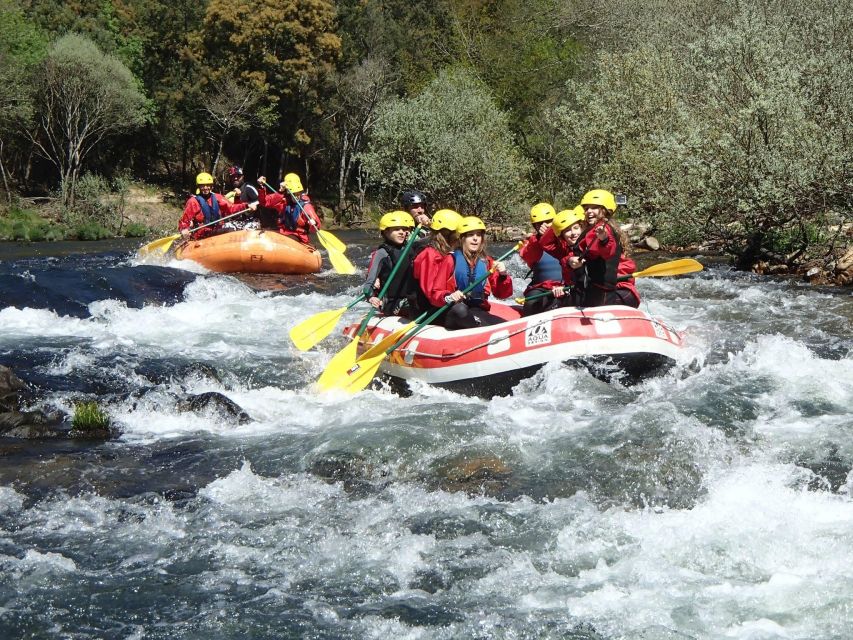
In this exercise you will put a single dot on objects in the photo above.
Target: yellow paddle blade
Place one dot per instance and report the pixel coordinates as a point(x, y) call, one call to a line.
point(672, 268)
point(357, 377)
point(387, 342)
point(340, 262)
point(338, 366)
point(330, 240)
point(161, 245)
point(312, 330)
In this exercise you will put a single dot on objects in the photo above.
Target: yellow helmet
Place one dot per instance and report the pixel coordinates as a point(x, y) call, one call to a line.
point(601, 198)
point(542, 212)
point(292, 183)
point(566, 218)
point(396, 219)
point(445, 219)
point(204, 178)
point(469, 224)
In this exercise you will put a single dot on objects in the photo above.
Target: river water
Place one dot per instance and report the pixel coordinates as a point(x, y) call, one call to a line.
point(711, 502)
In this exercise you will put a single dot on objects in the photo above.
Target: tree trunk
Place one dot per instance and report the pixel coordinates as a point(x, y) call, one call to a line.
point(749, 256)
point(342, 173)
point(3, 172)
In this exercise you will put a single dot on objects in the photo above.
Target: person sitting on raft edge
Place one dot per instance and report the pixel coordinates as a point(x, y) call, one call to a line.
point(545, 268)
point(395, 228)
point(207, 207)
point(296, 215)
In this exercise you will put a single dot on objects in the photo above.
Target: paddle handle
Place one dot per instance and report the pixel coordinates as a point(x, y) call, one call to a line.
point(534, 296)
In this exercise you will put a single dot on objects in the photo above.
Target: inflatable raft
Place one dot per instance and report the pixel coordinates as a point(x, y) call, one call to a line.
point(488, 361)
point(251, 251)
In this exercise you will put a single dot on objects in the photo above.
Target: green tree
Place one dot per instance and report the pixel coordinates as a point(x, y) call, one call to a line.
point(82, 97)
point(284, 50)
point(22, 46)
point(353, 111)
point(415, 37)
point(738, 132)
point(453, 142)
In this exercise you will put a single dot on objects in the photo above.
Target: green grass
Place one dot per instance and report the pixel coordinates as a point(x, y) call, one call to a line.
point(28, 226)
point(88, 416)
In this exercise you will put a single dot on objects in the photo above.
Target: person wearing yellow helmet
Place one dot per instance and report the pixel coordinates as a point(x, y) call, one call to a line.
point(544, 268)
point(472, 263)
point(296, 215)
point(602, 253)
point(206, 207)
point(395, 228)
point(434, 265)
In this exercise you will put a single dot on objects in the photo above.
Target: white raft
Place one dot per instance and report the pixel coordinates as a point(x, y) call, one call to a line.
point(489, 361)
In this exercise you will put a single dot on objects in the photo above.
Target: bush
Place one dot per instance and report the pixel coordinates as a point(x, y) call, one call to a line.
point(99, 201)
point(453, 143)
point(91, 231)
point(738, 132)
point(136, 230)
point(27, 226)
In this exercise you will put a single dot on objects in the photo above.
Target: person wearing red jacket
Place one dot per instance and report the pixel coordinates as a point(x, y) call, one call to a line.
point(434, 265)
point(561, 242)
point(602, 254)
point(205, 208)
point(296, 215)
point(544, 268)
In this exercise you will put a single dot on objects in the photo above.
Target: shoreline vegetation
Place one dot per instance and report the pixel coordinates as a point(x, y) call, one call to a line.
point(728, 125)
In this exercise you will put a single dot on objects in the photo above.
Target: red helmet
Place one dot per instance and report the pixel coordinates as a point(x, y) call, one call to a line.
point(235, 171)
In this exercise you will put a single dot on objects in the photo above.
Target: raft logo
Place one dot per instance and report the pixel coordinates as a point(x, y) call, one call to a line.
point(537, 333)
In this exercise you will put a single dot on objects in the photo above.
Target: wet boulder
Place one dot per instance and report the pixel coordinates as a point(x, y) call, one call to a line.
point(11, 387)
point(31, 425)
point(15, 423)
point(213, 401)
point(474, 474)
point(357, 474)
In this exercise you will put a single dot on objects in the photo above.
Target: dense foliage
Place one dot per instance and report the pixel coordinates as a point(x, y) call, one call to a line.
point(725, 122)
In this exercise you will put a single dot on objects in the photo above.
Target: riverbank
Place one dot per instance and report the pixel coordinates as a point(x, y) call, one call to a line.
point(152, 212)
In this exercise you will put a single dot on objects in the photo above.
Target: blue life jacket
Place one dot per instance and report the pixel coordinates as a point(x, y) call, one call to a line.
point(210, 210)
point(465, 274)
point(290, 213)
point(548, 268)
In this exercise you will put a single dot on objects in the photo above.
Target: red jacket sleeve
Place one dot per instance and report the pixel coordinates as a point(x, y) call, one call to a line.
point(531, 252)
point(549, 242)
point(191, 210)
point(597, 249)
point(434, 273)
point(308, 211)
point(227, 208)
point(626, 268)
point(498, 285)
point(273, 201)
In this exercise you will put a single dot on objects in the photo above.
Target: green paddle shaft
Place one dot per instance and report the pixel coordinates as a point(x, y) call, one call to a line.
point(412, 237)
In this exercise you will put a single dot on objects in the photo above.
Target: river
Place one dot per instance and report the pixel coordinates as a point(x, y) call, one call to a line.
point(711, 502)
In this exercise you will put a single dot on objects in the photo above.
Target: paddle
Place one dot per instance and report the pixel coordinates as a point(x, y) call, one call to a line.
point(671, 268)
point(358, 376)
point(333, 246)
point(345, 358)
point(312, 330)
point(164, 244)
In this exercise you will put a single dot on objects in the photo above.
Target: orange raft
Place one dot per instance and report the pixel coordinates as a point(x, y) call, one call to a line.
point(251, 251)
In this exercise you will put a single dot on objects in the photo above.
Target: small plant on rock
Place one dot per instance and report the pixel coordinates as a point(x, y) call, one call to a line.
point(88, 418)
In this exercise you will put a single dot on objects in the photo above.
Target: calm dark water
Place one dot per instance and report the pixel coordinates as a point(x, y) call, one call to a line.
point(712, 502)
